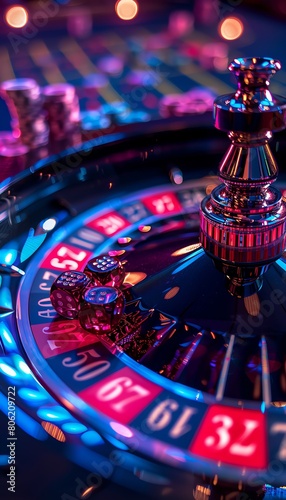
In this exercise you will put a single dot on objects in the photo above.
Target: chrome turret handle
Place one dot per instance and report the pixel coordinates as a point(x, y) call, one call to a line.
point(252, 108)
point(243, 221)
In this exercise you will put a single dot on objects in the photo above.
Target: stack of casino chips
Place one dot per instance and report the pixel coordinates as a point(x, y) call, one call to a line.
point(24, 101)
point(62, 108)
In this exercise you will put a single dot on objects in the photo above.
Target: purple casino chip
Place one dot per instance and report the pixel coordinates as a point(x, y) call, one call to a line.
point(59, 92)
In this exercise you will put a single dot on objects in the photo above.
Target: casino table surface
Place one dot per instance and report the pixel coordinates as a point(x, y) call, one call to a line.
point(131, 187)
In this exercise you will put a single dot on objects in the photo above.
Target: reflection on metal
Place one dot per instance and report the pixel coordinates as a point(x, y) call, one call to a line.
point(54, 431)
point(252, 304)
point(144, 229)
point(134, 278)
point(243, 220)
point(210, 187)
point(116, 253)
point(184, 250)
point(4, 311)
point(87, 492)
point(124, 241)
point(165, 320)
point(172, 293)
point(266, 386)
point(225, 368)
point(278, 404)
point(181, 357)
point(120, 429)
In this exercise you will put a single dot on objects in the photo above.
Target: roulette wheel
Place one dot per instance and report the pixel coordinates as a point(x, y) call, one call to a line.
point(181, 393)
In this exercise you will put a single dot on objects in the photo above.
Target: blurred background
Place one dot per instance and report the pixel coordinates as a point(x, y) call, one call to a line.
point(133, 61)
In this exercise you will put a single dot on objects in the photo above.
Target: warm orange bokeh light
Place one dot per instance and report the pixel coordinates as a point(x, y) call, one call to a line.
point(16, 16)
point(126, 9)
point(231, 28)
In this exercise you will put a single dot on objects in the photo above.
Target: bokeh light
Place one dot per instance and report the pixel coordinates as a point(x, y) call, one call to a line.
point(231, 28)
point(126, 9)
point(16, 16)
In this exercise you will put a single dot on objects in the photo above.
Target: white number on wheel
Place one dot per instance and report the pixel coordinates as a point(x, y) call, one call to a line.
point(123, 390)
point(223, 436)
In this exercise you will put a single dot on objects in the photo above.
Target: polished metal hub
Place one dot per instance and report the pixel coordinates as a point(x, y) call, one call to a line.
point(243, 219)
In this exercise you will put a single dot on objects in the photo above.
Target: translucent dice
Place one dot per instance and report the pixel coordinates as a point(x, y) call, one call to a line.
point(66, 292)
point(92, 296)
point(105, 270)
point(101, 309)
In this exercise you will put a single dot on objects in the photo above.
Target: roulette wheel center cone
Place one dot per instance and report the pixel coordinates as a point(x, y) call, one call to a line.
point(242, 228)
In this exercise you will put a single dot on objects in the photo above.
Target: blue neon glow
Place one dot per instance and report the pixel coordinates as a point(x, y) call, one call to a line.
point(8, 256)
point(91, 438)
point(53, 413)
point(281, 264)
point(31, 395)
point(31, 244)
point(177, 454)
point(6, 335)
point(28, 424)
point(8, 370)
point(24, 367)
point(74, 427)
point(7, 338)
point(118, 444)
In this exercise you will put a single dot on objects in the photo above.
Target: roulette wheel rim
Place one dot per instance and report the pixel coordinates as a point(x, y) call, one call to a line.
point(48, 377)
